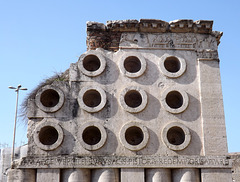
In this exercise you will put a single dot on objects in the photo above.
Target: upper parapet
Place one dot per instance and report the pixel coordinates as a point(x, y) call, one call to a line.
point(108, 36)
point(153, 26)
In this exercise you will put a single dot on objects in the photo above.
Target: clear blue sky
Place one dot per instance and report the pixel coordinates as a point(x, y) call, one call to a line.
point(39, 38)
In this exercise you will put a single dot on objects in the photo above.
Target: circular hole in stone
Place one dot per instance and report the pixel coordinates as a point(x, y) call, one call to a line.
point(174, 100)
point(49, 98)
point(172, 64)
point(134, 135)
point(91, 135)
point(92, 98)
point(132, 64)
point(48, 135)
point(133, 98)
point(91, 63)
point(175, 136)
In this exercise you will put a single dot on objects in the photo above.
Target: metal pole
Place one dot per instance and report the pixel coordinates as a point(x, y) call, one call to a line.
point(14, 130)
point(15, 123)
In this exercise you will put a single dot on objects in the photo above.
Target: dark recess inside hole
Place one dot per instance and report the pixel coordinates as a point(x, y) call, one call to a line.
point(48, 135)
point(175, 136)
point(91, 135)
point(91, 63)
point(133, 98)
point(49, 98)
point(132, 64)
point(134, 135)
point(174, 99)
point(172, 64)
point(92, 98)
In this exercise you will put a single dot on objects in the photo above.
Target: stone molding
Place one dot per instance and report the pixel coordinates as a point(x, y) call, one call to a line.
point(138, 108)
point(98, 107)
point(135, 125)
point(182, 107)
point(142, 61)
point(113, 161)
point(186, 132)
point(46, 107)
point(182, 66)
point(109, 36)
point(168, 41)
point(102, 139)
point(42, 128)
point(98, 57)
point(153, 26)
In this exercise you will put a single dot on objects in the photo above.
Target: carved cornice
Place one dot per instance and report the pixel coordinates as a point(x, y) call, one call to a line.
point(112, 35)
point(153, 26)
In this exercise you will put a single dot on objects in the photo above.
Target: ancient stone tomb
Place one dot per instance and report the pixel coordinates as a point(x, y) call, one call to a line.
point(143, 104)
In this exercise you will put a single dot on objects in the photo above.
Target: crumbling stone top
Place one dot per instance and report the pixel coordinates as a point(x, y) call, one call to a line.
point(153, 26)
point(108, 36)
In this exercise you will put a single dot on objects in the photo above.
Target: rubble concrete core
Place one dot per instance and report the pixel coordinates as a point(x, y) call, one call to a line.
point(143, 104)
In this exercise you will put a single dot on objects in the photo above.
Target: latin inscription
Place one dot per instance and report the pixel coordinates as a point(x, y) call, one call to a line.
point(123, 162)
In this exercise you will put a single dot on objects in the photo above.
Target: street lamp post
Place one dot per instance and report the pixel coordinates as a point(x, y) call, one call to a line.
point(15, 121)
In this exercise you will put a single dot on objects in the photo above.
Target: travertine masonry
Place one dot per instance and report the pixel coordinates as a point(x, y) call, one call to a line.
point(108, 36)
point(236, 166)
point(144, 103)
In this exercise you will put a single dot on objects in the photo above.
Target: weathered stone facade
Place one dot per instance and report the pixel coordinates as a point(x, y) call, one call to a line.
point(235, 166)
point(144, 103)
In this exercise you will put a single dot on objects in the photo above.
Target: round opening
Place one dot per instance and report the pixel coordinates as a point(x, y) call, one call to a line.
point(91, 63)
point(48, 135)
point(174, 99)
point(172, 64)
point(133, 99)
point(175, 136)
point(132, 64)
point(49, 98)
point(91, 135)
point(134, 135)
point(92, 98)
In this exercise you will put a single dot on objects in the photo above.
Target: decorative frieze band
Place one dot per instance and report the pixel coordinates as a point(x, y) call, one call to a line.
point(178, 34)
point(126, 162)
point(207, 54)
point(189, 41)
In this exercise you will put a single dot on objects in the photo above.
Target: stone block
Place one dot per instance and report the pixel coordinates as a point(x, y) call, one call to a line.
point(132, 175)
point(219, 175)
point(21, 175)
point(50, 175)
